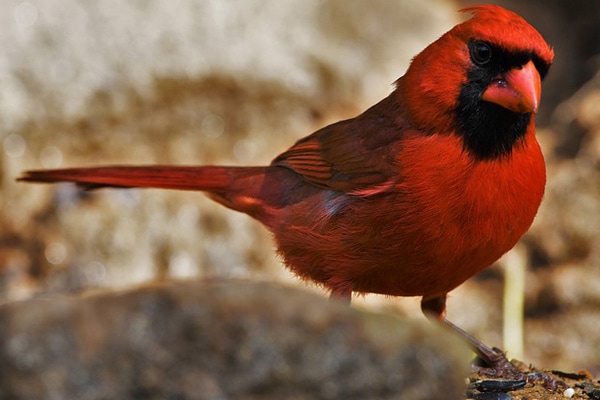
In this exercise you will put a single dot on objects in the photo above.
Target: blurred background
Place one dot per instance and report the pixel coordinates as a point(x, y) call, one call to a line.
point(236, 83)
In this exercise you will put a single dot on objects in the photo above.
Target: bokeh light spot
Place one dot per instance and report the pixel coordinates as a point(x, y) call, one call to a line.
point(55, 253)
point(25, 14)
point(51, 157)
point(14, 145)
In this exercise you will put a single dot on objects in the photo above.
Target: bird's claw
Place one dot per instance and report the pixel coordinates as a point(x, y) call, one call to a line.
point(507, 371)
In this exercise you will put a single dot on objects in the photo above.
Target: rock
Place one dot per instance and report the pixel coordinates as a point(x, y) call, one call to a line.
point(220, 340)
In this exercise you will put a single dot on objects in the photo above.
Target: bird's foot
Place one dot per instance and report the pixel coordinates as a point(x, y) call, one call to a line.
point(492, 362)
point(496, 365)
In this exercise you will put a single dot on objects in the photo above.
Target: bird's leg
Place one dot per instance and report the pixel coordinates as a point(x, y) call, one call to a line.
point(493, 357)
point(498, 365)
point(341, 294)
point(435, 309)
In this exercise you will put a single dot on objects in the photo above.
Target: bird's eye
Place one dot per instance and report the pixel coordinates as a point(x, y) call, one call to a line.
point(481, 53)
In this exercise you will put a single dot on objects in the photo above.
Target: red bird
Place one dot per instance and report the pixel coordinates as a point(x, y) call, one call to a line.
point(410, 198)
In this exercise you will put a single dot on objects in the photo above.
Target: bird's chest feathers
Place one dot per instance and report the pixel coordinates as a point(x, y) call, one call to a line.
point(479, 202)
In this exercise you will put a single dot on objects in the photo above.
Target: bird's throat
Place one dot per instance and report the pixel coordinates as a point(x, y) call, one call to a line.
point(488, 130)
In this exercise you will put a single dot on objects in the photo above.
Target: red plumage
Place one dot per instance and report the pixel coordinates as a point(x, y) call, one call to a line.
point(412, 197)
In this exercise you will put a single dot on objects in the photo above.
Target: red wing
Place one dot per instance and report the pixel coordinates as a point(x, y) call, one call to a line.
point(355, 155)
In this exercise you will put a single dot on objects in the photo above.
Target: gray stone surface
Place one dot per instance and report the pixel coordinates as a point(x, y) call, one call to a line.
point(220, 340)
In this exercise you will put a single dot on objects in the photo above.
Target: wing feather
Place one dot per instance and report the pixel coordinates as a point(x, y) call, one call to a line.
point(355, 155)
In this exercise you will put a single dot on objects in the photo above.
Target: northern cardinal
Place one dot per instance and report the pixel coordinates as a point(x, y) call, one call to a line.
point(410, 198)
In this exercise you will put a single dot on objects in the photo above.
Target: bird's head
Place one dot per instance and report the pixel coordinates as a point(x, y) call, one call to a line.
point(481, 80)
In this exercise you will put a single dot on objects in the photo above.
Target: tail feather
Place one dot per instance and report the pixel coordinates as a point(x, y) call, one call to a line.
point(203, 178)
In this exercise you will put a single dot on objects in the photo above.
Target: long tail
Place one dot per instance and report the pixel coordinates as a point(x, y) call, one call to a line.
point(203, 178)
point(256, 191)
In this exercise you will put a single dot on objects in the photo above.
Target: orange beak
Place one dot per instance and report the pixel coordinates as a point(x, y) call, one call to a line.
point(518, 90)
